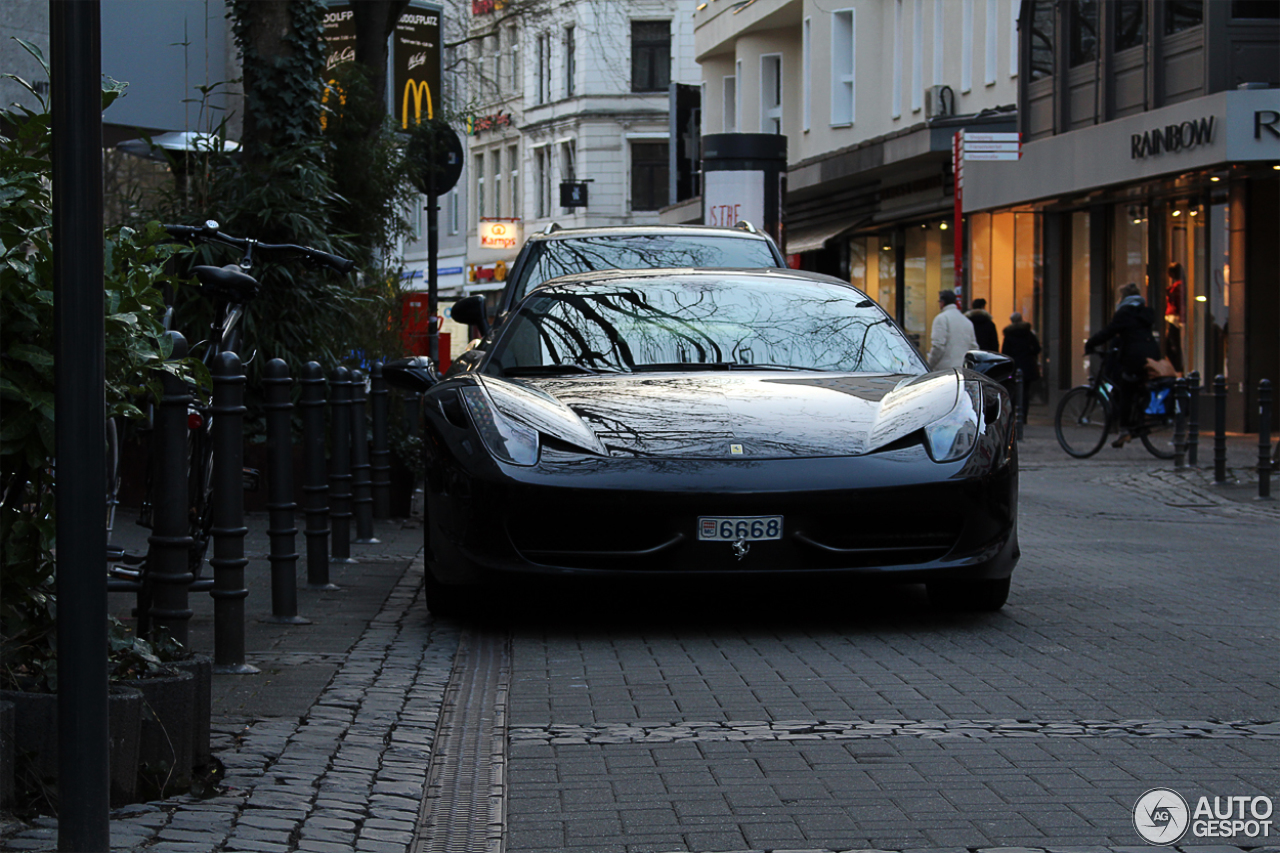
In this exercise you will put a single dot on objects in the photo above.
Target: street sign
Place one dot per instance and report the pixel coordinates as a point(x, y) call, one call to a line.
point(434, 146)
point(991, 146)
point(992, 155)
point(992, 137)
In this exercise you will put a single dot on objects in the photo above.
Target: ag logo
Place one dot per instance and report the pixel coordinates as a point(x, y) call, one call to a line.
point(1161, 816)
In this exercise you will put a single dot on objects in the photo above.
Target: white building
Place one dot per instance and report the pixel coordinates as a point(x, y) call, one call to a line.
point(571, 91)
point(869, 94)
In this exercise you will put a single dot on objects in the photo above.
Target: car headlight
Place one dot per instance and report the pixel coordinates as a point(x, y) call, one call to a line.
point(505, 438)
point(953, 435)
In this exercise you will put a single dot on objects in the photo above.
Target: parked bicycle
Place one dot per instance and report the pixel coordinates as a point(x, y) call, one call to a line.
point(1087, 414)
point(231, 288)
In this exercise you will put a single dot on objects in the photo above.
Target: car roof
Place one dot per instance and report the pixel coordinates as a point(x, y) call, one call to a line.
point(647, 231)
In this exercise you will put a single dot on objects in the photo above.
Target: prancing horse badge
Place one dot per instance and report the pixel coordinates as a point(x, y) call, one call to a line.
point(740, 548)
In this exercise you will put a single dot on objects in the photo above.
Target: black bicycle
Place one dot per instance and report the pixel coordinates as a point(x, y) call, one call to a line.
point(231, 288)
point(1086, 414)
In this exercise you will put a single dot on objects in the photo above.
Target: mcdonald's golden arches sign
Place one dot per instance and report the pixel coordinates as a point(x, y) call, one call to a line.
point(415, 57)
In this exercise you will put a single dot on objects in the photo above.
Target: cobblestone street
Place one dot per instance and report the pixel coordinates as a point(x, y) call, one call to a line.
point(1138, 650)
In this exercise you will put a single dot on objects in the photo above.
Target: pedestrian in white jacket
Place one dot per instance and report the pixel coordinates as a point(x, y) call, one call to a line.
point(951, 335)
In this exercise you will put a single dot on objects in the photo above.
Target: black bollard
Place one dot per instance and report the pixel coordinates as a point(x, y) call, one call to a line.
point(1193, 419)
point(168, 557)
point(1019, 410)
point(380, 451)
point(228, 530)
point(1219, 429)
point(1180, 397)
point(315, 486)
point(412, 412)
point(1264, 440)
point(340, 464)
point(362, 484)
point(280, 505)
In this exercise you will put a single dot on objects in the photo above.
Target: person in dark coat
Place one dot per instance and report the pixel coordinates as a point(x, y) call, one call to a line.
point(984, 328)
point(1131, 325)
point(1022, 345)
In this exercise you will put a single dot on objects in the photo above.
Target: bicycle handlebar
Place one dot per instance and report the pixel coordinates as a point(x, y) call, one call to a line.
point(209, 232)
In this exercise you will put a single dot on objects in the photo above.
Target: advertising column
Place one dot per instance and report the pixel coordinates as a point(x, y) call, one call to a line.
point(743, 175)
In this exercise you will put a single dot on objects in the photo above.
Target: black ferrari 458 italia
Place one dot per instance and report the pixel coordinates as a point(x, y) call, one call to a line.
point(715, 423)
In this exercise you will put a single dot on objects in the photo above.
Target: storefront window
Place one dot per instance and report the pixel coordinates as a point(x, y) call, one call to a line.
point(979, 257)
point(1028, 276)
point(1219, 296)
point(1187, 292)
point(886, 292)
point(1129, 250)
point(1002, 248)
point(1080, 331)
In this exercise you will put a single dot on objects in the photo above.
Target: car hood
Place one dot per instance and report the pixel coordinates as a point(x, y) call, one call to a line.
point(729, 415)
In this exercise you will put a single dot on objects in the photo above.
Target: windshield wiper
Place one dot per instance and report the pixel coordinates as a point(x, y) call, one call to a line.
point(716, 365)
point(553, 369)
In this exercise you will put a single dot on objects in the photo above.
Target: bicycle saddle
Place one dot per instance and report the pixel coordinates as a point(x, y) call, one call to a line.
point(228, 281)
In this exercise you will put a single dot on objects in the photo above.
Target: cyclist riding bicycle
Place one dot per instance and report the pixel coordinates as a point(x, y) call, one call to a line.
point(1131, 326)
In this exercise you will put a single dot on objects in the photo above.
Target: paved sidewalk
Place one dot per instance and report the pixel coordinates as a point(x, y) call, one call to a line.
point(326, 748)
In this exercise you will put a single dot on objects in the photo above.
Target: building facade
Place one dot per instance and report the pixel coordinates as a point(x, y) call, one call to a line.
point(1151, 155)
point(869, 94)
point(568, 103)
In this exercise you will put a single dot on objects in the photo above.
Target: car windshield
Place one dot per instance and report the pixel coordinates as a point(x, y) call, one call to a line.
point(682, 324)
point(551, 258)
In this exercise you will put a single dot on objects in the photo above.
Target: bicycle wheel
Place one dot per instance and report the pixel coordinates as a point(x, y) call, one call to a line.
point(113, 473)
point(1158, 436)
point(1082, 422)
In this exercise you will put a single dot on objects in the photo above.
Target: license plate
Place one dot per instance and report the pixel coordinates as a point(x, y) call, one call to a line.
point(752, 528)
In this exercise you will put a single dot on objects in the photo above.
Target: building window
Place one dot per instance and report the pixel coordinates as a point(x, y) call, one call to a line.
point(497, 182)
point(570, 63)
point(1181, 15)
point(897, 59)
point(1084, 32)
point(1131, 24)
point(568, 163)
point(771, 93)
point(513, 44)
point(648, 175)
point(1042, 38)
point(499, 68)
point(917, 55)
point(731, 104)
point(542, 92)
point(453, 211)
point(843, 90)
point(806, 35)
point(542, 178)
point(650, 56)
point(513, 164)
point(966, 47)
point(1013, 39)
point(939, 30)
point(1255, 9)
point(991, 50)
point(480, 186)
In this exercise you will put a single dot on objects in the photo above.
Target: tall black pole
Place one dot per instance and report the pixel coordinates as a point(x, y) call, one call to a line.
point(75, 42)
point(315, 487)
point(433, 249)
point(228, 560)
point(379, 454)
point(280, 505)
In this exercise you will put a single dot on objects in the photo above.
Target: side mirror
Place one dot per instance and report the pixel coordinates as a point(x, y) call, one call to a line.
point(469, 311)
point(416, 374)
point(993, 365)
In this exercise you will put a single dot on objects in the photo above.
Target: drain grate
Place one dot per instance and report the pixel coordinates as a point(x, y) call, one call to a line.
point(464, 805)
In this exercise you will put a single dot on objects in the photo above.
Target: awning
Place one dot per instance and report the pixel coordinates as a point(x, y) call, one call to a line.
point(813, 237)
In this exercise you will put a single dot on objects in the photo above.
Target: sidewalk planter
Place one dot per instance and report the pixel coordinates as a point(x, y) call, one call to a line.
point(34, 757)
point(164, 756)
point(201, 669)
